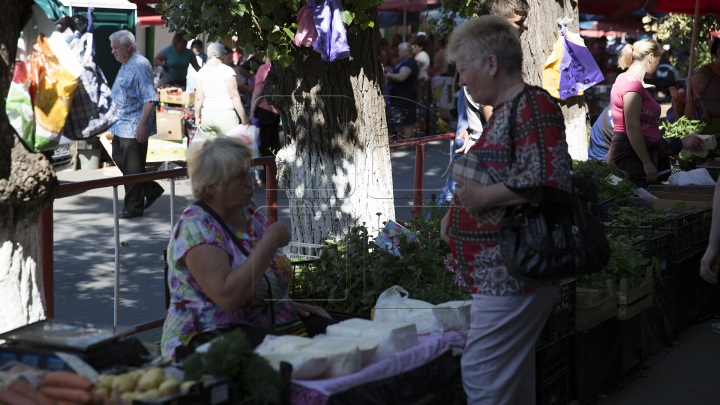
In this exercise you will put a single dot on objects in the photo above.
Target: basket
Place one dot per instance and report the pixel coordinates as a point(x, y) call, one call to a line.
point(701, 229)
point(553, 374)
point(561, 322)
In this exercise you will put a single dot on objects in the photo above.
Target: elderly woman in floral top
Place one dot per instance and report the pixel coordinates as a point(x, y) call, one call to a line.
point(498, 174)
point(217, 285)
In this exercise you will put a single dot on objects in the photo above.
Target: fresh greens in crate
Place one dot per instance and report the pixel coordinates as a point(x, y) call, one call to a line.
point(684, 127)
point(601, 171)
point(636, 217)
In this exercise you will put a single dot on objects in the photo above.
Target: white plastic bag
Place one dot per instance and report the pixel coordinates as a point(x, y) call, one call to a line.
point(393, 307)
point(249, 134)
point(199, 135)
point(697, 177)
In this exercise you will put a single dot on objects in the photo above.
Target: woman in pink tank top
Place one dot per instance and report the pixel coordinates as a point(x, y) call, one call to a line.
point(637, 145)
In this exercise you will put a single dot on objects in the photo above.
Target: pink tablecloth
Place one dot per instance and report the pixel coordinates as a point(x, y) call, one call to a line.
point(430, 347)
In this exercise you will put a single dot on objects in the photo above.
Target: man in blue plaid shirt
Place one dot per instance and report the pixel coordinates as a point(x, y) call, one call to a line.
point(135, 97)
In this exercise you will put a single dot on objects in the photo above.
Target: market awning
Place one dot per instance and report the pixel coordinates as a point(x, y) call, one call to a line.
point(411, 6)
point(619, 8)
point(150, 21)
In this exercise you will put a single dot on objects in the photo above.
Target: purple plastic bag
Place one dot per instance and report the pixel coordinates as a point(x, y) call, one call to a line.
point(578, 70)
point(331, 43)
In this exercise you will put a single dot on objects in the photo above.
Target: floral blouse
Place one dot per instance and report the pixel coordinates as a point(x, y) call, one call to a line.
point(191, 311)
point(541, 166)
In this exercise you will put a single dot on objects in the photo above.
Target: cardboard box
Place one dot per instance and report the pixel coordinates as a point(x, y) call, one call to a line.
point(175, 95)
point(672, 205)
point(693, 190)
point(166, 151)
point(170, 127)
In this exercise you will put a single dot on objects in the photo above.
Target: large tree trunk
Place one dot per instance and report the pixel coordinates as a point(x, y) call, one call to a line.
point(27, 186)
point(537, 44)
point(336, 166)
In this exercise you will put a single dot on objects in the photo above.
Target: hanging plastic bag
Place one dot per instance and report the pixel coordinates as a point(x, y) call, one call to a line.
point(551, 69)
point(249, 134)
point(331, 43)
point(54, 72)
point(395, 305)
point(306, 33)
point(18, 105)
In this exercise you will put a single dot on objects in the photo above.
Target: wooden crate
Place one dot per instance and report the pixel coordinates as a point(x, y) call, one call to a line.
point(587, 317)
point(632, 302)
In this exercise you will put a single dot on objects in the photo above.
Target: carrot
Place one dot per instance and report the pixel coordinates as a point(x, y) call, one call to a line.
point(67, 394)
point(26, 390)
point(8, 397)
point(67, 379)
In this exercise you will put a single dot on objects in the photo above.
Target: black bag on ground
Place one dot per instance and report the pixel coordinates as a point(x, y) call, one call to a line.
point(555, 239)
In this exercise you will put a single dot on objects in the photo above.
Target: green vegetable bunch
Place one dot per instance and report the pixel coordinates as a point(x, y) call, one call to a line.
point(232, 356)
point(351, 275)
point(632, 216)
point(685, 126)
point(601, 171)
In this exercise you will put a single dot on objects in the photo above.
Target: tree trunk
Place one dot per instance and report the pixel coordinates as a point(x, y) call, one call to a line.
point(537, 45)
point(335, 167)
point(27, 186)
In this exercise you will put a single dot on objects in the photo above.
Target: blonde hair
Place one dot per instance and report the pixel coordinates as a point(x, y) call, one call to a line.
point(476, 39)
point(638, 51)
point(407, 46)
point(216, 161)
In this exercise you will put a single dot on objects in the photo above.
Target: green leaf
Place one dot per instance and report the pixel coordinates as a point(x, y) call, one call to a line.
point(253, 65)
point(290, 34)
point(347, 17)
point(272, 53)
point(285, 60)
point(680, 205)
point(267, 6)
point(159, 8)
point(124, 244)
point(249, 48)
point(273, 36)
point(239, 9)
point(266, 23)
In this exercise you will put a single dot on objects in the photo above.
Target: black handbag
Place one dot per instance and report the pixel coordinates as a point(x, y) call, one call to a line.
point(559, 237)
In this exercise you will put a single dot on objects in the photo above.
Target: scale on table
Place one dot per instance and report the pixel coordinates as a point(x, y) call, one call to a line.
point(44, 344)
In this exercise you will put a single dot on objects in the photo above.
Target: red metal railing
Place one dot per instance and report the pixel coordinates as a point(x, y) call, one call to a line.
point(46, 221)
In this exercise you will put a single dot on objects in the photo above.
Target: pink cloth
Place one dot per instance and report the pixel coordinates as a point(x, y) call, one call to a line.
point(306, 33)
point(260, 76)
point(649, 114)
point(428, 349)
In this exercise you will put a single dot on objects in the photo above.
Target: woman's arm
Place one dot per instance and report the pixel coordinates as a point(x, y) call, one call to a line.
point(710, 262)
point(257, 93)
point(700, 82)
point(230, 289)
point(231, 84)
point(160, 59)
point(632, 105)
point(400, 76)
point(199, 99)
point(194, 63)
point(475, 198)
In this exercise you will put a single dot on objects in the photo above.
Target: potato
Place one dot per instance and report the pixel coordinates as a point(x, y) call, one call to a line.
point(128, 397)
point(169, 386)
point(102, 391)
point(149, 394)
point(187, 384)
point(124, 383)
point(151, 379)
point(105, 381)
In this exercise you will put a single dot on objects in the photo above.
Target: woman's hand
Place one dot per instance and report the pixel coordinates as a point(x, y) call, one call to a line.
point(305, 310)
point(692, 142)
point(651, 172)
point(198, 122)
point(445, 227)
point(465, 136)
point(710, 264)
point(279, 234)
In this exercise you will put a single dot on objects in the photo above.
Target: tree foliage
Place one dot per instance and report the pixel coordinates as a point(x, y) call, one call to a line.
point(444, 26)
point(678, 29)
point(265, 27)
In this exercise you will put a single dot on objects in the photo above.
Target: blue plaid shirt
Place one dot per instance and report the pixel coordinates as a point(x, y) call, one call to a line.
point(132, 89)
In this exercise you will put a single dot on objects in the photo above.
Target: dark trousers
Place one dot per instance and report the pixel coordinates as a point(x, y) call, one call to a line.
point(269, 125)
point(130, 156)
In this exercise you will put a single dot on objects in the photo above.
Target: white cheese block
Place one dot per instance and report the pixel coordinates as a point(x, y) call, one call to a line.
point(367, 346)
point(351, 327)
point(289, 343)
point(454, 315)
point(393, 337)
point(306, 366)
point(343, 357)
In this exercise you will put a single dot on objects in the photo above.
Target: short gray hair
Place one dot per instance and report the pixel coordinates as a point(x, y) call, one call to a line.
point(216, 161)
point(478, 38)
point(125, 37)
point(407, 46)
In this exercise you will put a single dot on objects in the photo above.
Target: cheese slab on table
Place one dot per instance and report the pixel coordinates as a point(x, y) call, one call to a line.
point(306, 366)
point(368, 347)
point(343, 357)
point(454, 315)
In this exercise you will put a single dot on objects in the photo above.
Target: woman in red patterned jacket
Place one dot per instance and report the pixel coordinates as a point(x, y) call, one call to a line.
point(495, 175)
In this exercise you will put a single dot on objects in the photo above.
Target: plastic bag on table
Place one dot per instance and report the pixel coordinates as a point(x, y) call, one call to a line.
point(393, 306)
point(697, 177)
point(250, 134)
point(199, 135)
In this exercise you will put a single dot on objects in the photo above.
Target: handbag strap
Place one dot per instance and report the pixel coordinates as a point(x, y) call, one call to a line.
point(244, 251)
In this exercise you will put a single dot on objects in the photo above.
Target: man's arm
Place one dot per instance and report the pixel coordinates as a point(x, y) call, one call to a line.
point(141, 132)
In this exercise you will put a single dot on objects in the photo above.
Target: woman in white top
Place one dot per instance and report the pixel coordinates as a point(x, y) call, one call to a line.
point(421, 57)
point(217, 102)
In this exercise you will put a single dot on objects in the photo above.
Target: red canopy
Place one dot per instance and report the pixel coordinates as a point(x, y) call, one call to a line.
point(412, 6)
point(618, 8)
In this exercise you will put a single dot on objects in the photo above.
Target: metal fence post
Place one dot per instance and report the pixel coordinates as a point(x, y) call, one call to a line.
point(117, 258)
point(172, 205)
point(46, 250)
point(419, 178)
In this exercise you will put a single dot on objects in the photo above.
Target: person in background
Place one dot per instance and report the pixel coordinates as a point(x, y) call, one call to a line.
point(706, 81)
point(227, 59)
point(268, 117)
point(637, 146)
point(404, 92)
point(421, 57)
point(217, 101)
point(135, 99)
point(393, 47)
point(603, 130)
point(200, 58)
point(387, 60)
point(513, 11)
point(439, 65)
point(226, 270)
point(174, 60)
point(499, 174)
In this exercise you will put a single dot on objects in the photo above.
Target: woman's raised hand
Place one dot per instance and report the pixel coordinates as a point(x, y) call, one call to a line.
point(279, 234)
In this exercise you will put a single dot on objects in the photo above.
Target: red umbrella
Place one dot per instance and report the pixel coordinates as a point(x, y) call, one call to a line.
point(405, 6)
